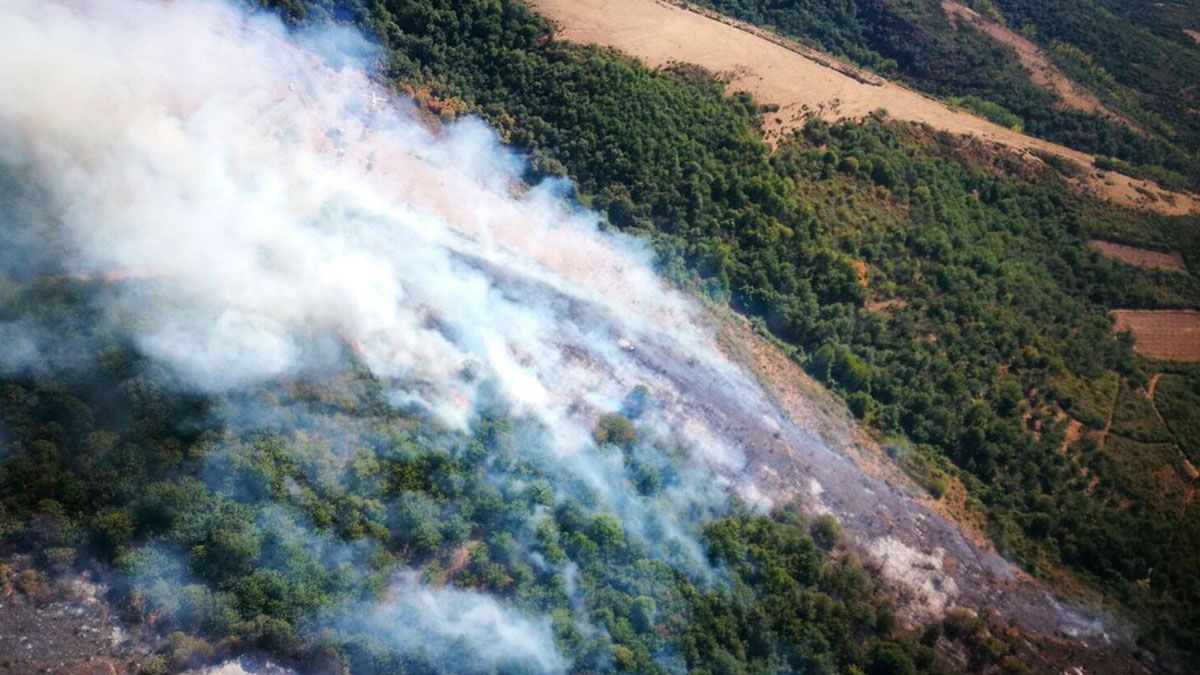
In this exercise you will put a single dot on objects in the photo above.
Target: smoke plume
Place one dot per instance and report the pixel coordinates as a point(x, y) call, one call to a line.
point(260, 208)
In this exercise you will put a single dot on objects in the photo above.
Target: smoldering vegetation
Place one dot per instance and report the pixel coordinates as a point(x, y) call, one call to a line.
point(286, 220)
point(351, 392)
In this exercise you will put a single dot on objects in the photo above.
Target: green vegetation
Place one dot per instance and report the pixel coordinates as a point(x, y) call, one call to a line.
point(1165, 177)
point(1142, 75)
point(282, 532)
point(1003, 325)
point(1089, 401)
point(1148, 475)
point(1178, 400)
point(988, 110)
point(1123, 45)
point(1135, 418)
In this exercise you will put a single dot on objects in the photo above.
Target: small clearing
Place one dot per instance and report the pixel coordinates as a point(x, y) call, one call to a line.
point(1041, 69)
point(1194, 34)
point(1170, 335)
point(1074, 432)
point(801, 83)
point(1141, 257)
point(885, 306)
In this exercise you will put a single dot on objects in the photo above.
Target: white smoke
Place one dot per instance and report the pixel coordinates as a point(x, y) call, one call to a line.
point(278, 205)
point(458, 630)
point(262, 208)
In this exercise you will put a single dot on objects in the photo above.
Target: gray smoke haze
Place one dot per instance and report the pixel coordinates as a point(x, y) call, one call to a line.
point(262, 208)
point(457, 629)
point(260, 212)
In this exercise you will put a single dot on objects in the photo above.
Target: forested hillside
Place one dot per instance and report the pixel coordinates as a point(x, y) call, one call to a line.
point(109, 459)
point(946, 293)
point(1003, 316)
point(1142, 74)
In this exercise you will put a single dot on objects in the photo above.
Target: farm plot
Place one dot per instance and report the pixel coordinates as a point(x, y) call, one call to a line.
point(1170, 335)
point(1140, 257)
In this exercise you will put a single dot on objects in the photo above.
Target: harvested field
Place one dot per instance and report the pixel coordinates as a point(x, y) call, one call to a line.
point(1141, 257)
point(1171, 335)
point(801, 83)
point(1041, 70)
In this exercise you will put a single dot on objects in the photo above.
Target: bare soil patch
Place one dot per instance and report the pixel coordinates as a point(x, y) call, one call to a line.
point(802, 83)
point(1171, 335)
point(1194, 34)
point(885, 306)
point(1074, 433)
point(1041, 69)
point(1141, 257)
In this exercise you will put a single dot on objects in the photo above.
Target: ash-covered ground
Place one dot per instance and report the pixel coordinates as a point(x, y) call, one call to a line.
point(62, 625)
point(925, 556)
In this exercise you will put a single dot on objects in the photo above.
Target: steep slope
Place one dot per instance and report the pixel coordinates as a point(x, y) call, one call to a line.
point(661, 33)
point(276, 353)
point(1036, 62)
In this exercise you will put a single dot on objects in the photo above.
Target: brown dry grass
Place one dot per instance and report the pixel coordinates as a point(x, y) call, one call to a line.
point(1170, 335)
point(1041, 70)
point(1141, 257)
point(801, 83)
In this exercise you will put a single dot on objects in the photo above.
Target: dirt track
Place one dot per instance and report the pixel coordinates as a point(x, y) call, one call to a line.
point(659, 33)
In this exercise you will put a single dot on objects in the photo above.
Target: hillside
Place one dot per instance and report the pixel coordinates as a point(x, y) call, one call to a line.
point(468, 348)
point(795, 84)
point(1107, 77)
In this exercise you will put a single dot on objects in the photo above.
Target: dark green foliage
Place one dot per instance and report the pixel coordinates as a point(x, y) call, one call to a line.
point(1177, 398)
point(992, 111)
point(916, 42)
point(616, 429)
